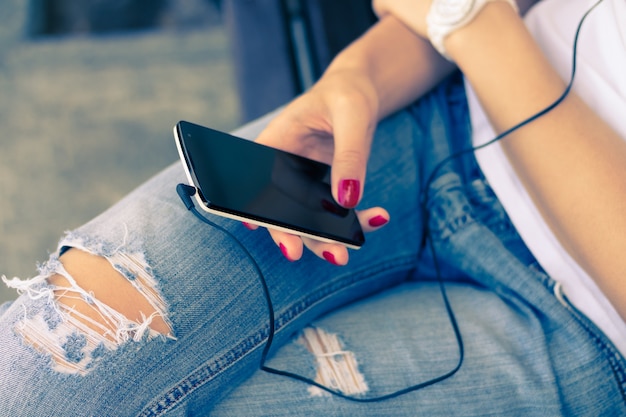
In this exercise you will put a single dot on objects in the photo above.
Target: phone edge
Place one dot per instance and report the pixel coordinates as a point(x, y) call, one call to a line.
point(183, 160)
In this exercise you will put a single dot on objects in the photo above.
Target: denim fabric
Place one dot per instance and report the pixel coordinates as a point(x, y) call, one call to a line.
point(527, 351)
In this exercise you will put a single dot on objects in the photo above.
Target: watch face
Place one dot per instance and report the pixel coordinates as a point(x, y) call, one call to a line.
point(451, 12)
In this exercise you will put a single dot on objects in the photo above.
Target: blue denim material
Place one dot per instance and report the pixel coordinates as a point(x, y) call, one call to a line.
point(527, 351)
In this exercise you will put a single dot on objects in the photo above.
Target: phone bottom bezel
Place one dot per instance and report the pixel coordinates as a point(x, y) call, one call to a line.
point(267, 225)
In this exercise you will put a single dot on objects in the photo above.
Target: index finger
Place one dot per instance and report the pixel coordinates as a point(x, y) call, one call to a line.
point(353, 131)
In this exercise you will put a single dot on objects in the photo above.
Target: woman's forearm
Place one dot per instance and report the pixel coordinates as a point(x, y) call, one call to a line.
point(571, 162)
point(401, 65)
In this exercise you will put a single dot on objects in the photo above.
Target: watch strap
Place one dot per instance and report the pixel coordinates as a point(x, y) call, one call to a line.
point(446, 16)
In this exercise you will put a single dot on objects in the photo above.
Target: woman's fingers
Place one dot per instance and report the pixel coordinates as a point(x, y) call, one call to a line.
point(301, 128)
point(332, 123)
point(250, 226)
point(337, 254)
point(353, 130)
point(373, 219)
point(291, 246)
point(333, 253)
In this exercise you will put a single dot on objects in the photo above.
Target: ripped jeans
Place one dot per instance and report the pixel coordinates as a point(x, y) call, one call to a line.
point(370, 328)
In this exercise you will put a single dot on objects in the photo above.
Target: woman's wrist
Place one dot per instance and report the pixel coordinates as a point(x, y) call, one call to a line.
point(445, 17)
point(490, 25)
point(400, 65)
point(501, 60)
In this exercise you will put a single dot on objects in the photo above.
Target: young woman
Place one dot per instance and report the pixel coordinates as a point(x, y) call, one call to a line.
point(147, 311)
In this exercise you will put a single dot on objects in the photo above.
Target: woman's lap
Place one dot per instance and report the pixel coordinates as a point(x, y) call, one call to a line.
point(213, 300)
point(406, 340)
point(212, 297)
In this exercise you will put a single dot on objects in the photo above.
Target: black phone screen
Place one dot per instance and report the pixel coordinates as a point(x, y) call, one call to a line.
point(247, 179)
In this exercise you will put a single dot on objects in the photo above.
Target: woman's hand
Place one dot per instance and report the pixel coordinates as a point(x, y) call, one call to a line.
point(384, 70)
point(332, 123)
point(412, 13)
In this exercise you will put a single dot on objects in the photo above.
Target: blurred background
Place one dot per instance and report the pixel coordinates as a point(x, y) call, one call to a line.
point(90, 91)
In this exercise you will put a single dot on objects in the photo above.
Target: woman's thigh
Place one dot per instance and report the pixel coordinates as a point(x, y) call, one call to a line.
point(522, 356)
point(404, 337)
point(206, 289)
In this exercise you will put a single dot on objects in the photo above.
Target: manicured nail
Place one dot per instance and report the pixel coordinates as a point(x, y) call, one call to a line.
point(283, 249)
point(329, 257)
point(247, 226)
point(377, 221)
point(348, 194)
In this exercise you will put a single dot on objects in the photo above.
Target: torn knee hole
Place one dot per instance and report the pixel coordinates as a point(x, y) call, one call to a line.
point(337, 368)
point(85, 305)
point(103, 298)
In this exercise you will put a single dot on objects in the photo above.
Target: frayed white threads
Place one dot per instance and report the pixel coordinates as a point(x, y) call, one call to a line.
point(75, 339)
point(336, 368)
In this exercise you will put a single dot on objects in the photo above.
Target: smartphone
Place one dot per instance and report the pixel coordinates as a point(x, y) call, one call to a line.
point(250, 182)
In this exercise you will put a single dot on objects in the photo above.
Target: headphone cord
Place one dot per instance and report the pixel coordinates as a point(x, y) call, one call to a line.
point(186, 192)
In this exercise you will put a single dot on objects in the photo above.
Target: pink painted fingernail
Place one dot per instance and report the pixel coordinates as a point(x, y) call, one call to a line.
point(377, 221)
point(247, 226)
point(283, 249)
point(330, 257)
point(349, 191)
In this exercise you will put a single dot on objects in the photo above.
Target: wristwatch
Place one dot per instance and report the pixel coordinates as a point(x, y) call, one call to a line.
point(446, 16)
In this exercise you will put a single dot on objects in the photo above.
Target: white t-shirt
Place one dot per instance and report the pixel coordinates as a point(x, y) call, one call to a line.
point(601, 82)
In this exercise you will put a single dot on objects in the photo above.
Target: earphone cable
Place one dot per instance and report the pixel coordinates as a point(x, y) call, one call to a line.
point(186, 192)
